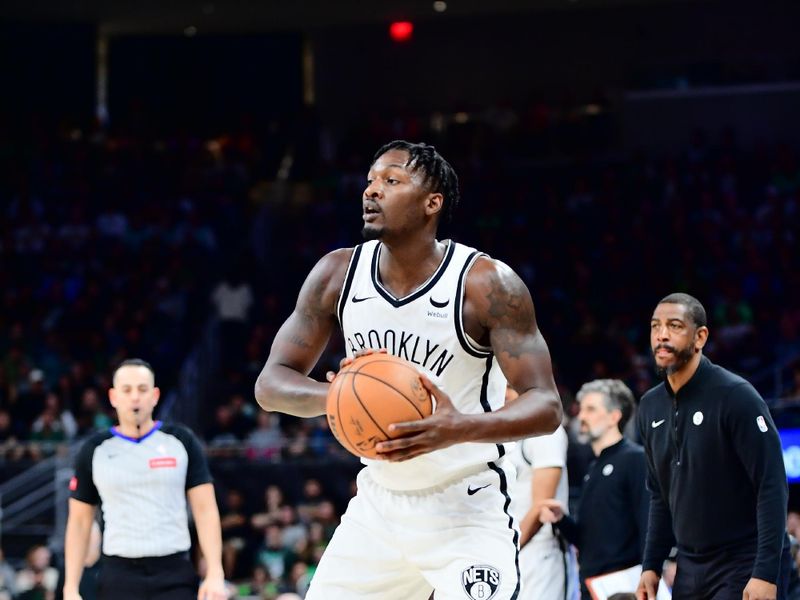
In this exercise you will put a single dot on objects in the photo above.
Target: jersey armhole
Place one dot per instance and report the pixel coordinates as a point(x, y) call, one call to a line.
point(467, 343)
point(348, 282)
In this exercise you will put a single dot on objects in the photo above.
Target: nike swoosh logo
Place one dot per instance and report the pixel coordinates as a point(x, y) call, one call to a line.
point(439, 304)
point(655, 424)
point(471, 490)
point(362, 299)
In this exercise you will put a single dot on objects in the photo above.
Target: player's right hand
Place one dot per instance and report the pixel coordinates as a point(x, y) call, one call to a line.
point(648, 586)
point(71, 595)
point(330, 375)
point(551, 511)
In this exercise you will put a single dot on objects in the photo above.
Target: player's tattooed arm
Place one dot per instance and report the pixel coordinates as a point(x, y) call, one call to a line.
point(313, 312)
point(499, 311)
point(283, 384)
point(509, 318)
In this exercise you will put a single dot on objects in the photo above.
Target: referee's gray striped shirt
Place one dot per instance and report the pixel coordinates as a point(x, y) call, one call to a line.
point(141, 487)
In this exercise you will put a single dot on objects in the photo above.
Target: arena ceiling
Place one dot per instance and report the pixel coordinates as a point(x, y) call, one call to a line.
point(242, 16)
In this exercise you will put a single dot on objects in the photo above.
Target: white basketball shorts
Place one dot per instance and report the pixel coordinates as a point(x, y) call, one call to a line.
point(457, 540)
point(548, 572)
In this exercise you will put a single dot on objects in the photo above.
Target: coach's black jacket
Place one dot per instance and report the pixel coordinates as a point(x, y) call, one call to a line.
point(715, 470)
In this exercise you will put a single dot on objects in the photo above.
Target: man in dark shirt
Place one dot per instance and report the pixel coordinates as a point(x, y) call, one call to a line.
point(715, 470)
point(611, 520)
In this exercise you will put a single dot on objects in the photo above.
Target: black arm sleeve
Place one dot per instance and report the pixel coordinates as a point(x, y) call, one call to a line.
point(571, 530)
point(659, 539)
point(640, 499)
point(758, 447)
point(197, 472)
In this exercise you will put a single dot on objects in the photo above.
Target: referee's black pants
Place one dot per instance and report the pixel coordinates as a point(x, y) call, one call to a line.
point(151, 578)
point(722, 575)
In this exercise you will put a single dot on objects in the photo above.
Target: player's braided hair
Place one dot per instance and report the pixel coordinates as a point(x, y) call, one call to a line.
point(439, 175)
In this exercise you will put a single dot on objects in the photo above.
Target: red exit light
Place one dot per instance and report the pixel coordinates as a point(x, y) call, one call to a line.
point(400, 31)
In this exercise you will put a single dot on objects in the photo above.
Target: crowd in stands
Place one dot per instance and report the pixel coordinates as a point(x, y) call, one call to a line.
point(117, 245)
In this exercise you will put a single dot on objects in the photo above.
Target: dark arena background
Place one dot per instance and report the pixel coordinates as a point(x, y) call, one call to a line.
point(171, 171)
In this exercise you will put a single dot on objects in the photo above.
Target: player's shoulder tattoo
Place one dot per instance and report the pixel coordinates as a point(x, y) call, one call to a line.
point(508, 299)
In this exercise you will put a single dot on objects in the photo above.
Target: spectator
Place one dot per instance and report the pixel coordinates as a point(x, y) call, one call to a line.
point(298, 579)
point(37, 580)
point(311, 499)
point(235, 531)
point(233, 298)
point(265, 442)
point(244, 415)
point(221, 434)
point(91, 415)
point(260, 585)
point(273, 501)
point(294, 532)
point(31, 400)
point(8, 584)
point(272, 554)
point(7, 435)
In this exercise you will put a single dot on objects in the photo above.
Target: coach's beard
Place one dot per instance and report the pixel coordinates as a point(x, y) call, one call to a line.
point(682, 357)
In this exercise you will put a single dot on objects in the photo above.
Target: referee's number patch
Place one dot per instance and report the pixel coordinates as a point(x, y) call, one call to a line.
point(163, 462)
point(480, 582)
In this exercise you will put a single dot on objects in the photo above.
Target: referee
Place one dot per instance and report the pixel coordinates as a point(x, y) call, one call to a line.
point(141, 473)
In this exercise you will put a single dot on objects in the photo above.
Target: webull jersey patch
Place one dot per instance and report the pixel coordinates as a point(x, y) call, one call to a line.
point(480, 582)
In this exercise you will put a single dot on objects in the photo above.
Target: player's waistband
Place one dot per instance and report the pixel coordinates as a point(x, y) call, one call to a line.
point(148, 560)
point(446, 481)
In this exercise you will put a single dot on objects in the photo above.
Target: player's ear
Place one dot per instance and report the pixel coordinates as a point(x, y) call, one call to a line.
point(434, 203)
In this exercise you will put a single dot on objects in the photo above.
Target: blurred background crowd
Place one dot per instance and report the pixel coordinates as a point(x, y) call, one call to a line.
point(164, 196)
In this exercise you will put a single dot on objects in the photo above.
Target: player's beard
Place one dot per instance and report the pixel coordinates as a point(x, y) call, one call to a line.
point(371, 233)
point(682, 357)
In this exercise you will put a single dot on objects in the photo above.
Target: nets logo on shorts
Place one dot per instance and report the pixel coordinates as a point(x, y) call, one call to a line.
point(480, 582)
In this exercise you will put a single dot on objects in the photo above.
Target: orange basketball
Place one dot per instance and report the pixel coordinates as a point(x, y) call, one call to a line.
point(370, 394)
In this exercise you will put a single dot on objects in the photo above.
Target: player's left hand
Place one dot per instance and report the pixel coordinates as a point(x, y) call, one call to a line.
point(442, 429)
point(212, 588)
point(758, 589)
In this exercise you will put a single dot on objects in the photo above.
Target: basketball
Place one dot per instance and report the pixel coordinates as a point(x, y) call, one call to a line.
point(370, 394)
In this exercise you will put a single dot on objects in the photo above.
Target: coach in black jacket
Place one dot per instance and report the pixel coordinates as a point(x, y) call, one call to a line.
point(715, 470)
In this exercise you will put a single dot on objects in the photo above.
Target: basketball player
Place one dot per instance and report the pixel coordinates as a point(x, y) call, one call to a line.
point(547, 561)
point(142, 472)
point(433, 512)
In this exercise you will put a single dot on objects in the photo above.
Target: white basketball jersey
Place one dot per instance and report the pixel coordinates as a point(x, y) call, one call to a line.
point(538, 453)
point(425, 327)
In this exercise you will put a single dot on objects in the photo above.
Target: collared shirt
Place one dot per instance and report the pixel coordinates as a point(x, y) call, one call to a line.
point(141, 486)
point(715, 470)
point(611, 519)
